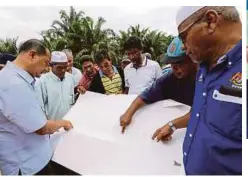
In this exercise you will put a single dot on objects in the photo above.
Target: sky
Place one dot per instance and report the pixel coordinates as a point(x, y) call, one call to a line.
point(27, 22)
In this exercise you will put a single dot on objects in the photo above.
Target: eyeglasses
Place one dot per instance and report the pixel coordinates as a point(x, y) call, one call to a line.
point(183, 34)
point(133, 52)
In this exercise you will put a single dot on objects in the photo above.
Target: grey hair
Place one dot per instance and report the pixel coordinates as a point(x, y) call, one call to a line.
point(228, 12)
point(68, 52)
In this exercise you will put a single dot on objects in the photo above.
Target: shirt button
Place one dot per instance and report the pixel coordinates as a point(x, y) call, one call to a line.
point(204, 94)
point(197, 115)
point(190, 135)
point(185, 153)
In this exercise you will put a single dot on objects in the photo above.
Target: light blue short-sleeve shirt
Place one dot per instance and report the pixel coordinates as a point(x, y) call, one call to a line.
point(20, 116)
point(56, 96)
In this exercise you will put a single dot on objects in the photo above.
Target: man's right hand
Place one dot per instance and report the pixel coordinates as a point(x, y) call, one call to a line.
point(53, 126)
point(67, 125)
point(125, 120)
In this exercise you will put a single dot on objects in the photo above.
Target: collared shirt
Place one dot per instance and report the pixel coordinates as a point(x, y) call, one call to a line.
point(213, 141)
point(86, 80)
point(169, 87)
point(114, 85)
point(56, 96)
point(137, 80)
point(20, 116)
point(77, 74)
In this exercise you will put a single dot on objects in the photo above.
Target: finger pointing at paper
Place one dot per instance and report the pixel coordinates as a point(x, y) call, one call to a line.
point(125, 120)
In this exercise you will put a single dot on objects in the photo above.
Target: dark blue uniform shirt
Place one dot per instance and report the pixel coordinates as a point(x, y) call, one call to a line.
point(213, 141)
point(169, 87)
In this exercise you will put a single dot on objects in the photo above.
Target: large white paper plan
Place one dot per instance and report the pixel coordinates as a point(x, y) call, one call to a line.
point(96, 145)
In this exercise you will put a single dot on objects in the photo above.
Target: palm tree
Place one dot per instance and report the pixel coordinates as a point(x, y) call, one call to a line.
point(131, 31)
point(9, 45)
point(95, 37)
point(66, 31)
point(137, 31)
point(65, 25)
point(79, 33)
point(53, 41)
point(154, 42)
point(83, 35)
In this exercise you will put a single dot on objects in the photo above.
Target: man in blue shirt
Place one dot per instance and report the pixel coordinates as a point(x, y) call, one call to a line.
point(56, 88)
point(25, 147)
point(213, 141)
point(178, 85)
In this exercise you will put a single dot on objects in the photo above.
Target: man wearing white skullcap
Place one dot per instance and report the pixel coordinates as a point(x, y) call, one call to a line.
point(56, 88)
point(212, 37)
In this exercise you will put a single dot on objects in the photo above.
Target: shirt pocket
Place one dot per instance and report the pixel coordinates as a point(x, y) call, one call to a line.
point(225, 114)
point(71, 99)
point(226, 98)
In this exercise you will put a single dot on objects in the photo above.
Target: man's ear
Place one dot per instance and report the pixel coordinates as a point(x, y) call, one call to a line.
point(31, 54)
point(212, 19)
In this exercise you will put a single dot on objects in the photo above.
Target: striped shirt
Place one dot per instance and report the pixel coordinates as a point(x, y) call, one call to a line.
point(114, 85)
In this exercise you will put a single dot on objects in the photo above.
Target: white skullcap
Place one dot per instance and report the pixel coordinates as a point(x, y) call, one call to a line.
point(59, 57)
point(186, 11)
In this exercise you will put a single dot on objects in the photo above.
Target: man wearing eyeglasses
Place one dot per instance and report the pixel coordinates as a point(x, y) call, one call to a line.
point(89, 71)
point(213, 141)
point(178, 85)
point(142, 71)
point(56, 88)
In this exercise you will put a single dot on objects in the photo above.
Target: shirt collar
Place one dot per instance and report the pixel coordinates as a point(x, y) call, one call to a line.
point(21, 72)
point(56, 78)
point(235, 54)
point(93, 75)
point(114, 68)
point(73, 71)
point(232, 56)
point(144, 63)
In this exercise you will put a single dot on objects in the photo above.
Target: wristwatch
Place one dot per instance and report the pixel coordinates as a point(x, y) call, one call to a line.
point(171, 125)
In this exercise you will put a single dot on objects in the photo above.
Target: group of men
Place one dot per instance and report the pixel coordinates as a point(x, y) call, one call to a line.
point(206, 73)
point(211, 38)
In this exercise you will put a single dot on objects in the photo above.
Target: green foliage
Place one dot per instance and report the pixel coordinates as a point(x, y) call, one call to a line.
point(9, 45)
point(82, 35)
